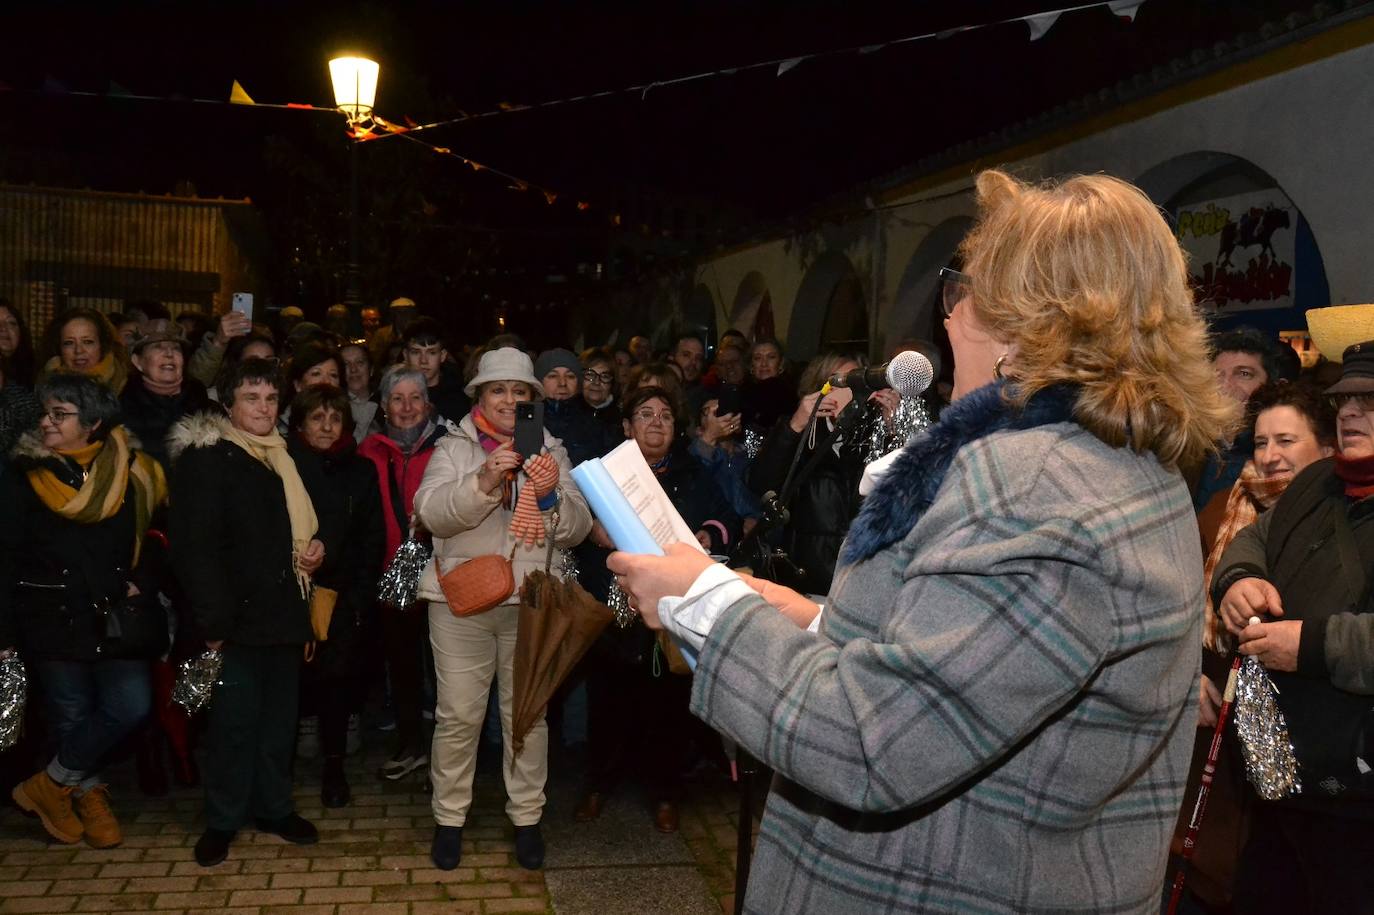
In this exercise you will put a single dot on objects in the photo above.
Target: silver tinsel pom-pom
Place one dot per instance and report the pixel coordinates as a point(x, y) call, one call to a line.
point(1270, 762)
point(909, 418)
point(566, 566)
point(14, 693)
point(753, 441)
point(620, 605)
point(196, 680)
point(400, 583)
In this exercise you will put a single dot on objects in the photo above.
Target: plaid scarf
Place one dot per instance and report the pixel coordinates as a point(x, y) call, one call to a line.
point(1250, 495)
point(108, 469)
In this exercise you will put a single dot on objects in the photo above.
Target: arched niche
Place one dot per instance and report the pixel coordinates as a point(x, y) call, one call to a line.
point(1231, 256)
point(751, 313)
point(830, 310)
point(915, 312)
point(698, 315)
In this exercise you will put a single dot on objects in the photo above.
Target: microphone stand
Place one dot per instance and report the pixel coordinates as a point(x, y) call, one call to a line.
point(776, 514)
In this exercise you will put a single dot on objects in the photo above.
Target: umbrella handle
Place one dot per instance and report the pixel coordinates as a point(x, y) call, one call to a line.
point(1205, 787)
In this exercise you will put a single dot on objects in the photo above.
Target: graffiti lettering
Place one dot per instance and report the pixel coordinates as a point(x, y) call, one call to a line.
point(1262, 280)
point(1202, 222)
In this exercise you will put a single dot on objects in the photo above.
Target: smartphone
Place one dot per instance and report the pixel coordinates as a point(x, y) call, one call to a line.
point(728, 400)
point(243, 303)
point(529, 428)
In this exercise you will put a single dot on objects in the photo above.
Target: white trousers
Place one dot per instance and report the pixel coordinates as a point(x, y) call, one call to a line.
point(468, 653)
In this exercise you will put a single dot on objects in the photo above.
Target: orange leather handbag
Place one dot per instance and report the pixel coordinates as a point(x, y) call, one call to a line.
point(479, 584)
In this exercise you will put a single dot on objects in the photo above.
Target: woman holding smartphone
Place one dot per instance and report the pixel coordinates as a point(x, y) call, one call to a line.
point(481, 497)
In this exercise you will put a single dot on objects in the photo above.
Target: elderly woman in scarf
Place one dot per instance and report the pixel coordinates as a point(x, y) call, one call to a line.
point(71, 536)
point(400, 453)
point(245, 541)
point(83, 340)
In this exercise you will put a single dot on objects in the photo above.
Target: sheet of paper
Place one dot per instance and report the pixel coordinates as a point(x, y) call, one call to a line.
point(631, 473)
point(613, 510)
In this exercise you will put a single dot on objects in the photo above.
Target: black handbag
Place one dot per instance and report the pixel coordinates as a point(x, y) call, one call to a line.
point(135, 627)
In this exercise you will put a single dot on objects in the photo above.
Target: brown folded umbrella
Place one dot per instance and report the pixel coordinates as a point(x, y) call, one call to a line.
point(559, 621)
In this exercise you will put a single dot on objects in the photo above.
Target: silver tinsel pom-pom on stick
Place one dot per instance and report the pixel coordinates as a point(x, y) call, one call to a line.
point(196, 679)
point(1270, 763)
point(620, 605)
point(14, 693)
point(909, 418)
point(400, 583)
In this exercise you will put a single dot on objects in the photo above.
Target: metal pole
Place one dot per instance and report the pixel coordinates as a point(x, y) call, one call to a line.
point(353, 296)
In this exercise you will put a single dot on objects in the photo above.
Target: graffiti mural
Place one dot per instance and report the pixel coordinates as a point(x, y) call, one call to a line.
point(1240, 250)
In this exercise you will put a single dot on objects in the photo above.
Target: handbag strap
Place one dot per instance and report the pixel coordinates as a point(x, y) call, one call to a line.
point(397, 503)
point(1351, 566)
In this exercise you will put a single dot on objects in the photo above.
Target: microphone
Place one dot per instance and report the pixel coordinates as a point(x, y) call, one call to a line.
point(909, 373)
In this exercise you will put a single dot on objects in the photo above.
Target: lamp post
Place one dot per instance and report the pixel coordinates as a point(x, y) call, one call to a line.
point(355, 90)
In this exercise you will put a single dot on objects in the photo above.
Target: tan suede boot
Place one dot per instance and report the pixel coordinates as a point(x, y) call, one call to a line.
point(102, 829)
point(39, 794)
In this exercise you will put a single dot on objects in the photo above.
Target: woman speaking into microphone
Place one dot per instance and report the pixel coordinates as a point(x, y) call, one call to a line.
point(996, 710)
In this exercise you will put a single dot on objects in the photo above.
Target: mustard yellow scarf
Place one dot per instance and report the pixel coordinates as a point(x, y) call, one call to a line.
point(109, 371)
point(108, 471)
point(271, 450)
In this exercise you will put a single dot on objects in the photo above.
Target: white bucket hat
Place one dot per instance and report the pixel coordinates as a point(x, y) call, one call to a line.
point(504, 364)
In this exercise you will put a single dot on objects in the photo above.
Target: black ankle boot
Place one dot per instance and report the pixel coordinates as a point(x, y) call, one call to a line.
point(334, 790)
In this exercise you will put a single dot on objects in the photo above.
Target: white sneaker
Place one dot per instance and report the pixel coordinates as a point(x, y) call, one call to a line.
point(308, 738)
point(402, 764)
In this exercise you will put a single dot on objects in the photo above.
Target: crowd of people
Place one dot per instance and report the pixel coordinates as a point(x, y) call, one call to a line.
point(972, 664)
point(236, 483)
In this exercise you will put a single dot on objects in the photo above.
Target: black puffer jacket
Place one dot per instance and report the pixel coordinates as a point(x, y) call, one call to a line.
point(343, 488)
point(583, 435)
point(826, 500)
point(231, 540)
point(151, 416)
point(56, 575)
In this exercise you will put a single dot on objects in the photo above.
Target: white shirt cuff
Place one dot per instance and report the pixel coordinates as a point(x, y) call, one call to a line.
point(689, 618)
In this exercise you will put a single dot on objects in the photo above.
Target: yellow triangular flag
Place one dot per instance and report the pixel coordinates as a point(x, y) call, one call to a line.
point(238, 97)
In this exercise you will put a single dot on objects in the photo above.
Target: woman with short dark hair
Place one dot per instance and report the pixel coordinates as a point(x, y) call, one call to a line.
point(71, 540)
point(343, 489)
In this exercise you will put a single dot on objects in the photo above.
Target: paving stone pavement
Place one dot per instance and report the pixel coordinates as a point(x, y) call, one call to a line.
point(373, 855)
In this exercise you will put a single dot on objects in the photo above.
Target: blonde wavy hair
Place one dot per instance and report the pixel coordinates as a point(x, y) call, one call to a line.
point(1088, 281)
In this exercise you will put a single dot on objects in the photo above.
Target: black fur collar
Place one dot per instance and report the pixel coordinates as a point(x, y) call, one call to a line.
point(903, 495)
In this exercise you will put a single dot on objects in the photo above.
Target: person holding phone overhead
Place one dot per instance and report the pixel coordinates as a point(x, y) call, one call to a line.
point(480, 497)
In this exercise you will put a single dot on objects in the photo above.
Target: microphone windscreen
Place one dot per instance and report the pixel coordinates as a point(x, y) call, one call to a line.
point(910, 373)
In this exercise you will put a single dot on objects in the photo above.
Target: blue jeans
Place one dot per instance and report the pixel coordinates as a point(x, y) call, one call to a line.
point(92, 706)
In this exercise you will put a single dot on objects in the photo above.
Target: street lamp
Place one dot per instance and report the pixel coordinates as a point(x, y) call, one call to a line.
point(355, 89)
point(355, 86)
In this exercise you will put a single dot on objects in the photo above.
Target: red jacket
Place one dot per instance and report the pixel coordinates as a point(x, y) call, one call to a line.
point(406, 471)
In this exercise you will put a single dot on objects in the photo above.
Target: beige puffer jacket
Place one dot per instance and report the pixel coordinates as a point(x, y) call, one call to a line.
point(467, 523)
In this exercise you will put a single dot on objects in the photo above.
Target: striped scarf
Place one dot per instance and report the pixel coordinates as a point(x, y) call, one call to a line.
point(1251, 495)
point(108, 469)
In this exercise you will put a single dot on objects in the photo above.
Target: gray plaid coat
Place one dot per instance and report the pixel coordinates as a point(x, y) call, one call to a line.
point(999, 711)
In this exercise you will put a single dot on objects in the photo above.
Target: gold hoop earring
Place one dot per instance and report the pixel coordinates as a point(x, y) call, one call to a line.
point(997, 366)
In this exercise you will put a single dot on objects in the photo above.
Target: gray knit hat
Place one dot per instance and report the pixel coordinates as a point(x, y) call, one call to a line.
point(552, 359)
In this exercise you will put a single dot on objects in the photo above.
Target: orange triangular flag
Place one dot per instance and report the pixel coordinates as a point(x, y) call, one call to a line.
point(238, 97)
point(550, 196)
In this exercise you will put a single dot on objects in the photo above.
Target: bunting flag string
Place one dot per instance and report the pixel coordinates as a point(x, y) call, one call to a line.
point(514, 182)
point(1038, 24)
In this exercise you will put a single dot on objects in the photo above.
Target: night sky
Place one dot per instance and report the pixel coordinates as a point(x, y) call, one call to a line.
point(751, 151)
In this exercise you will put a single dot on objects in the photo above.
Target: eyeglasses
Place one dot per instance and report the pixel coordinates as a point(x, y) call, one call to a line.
point(1363, 399)
point(603, 377)
point(955, 287)
point(648, 416)
point(58, 416)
